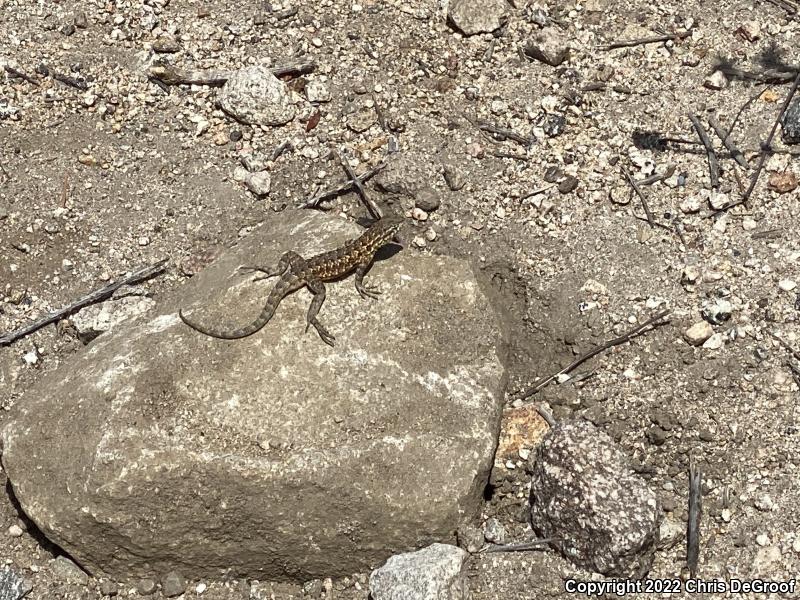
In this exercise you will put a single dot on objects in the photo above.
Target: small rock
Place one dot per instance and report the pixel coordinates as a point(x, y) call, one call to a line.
point(419, 215)
point(690, 275)
point(146, 586)
point(427, 199)
point(254, 95)
point(454, 176)
point(200, 588)
point(698, 333)
point(750, 30)
point(313, 588)
point(749, 224)
point(691, 205)
point(762, 539)
point(726, 515)
point(716, 81)
point(620, 195)
point(433, 572)
point(31, 357)
point(764, 503)
point(767, 561)
point(173, 584)
point(549, 46)
point(259, 183)
point(494, 532)
point(657, 436)
point(166, 44)
point(670, 533)
point(791, 123)
point(470, 538)
point(316, 91)
point(81, 22)
point(67, 571)
point(787, 285)
point(15, 531)
point(719, 312)
point(108, 587)
point(718, 200)
point(715, 342)
point(471, 17)
point(783, 182)
point(568, 184)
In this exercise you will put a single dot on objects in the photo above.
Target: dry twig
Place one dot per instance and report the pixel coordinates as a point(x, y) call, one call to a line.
point(693, 526)
point(713, 165)
point(648, 40)
point(343, 188)
point(639, 193)
point(171, 75)
point(19, 74)
point(362, 193)
point(520, 547)
point(725, 136)
point(625, 337)
point(91, 298)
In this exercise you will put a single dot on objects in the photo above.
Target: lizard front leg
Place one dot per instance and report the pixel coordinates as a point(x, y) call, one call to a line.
point(365, 292)
point(317, 288)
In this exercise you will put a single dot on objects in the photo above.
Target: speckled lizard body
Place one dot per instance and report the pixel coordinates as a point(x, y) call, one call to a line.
point(296, 272)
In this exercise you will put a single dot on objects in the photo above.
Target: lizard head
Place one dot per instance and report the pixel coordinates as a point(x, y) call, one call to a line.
point(388, 228)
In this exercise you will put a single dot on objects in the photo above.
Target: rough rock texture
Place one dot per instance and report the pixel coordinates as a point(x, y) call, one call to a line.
point(791, 123)
point(159, 448)
point(584, 493)
point(12, 586)
point(254, 95)
point(434, 572)
point(477, 16)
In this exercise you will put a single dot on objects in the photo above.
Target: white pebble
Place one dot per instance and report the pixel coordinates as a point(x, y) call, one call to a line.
point(201, 587)
point(144, 240)
point(762, 539)
point(15, 531)
point(787, 285)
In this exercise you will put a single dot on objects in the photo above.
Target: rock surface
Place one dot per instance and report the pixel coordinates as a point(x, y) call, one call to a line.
point(584, 493)
point(276, 456)
point(477, 16)
point(12, 586)
point(254, 95)
point(433, 572)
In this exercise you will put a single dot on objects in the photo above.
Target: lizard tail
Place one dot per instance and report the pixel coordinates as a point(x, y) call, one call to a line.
point(280, 290)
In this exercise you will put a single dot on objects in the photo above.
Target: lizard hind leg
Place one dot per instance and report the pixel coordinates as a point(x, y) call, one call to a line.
point(317, 288)
point(364, 291)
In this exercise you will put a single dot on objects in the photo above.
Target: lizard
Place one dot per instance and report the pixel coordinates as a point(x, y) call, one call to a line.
point(296, 272)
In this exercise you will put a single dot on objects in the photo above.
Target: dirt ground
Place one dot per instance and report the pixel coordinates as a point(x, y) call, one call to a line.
point(111, 171)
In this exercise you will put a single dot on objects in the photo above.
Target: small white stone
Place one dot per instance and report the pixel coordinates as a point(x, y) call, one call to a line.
point(200, 588)
point(524, 453)
point(715, 342)
point(749, 224)
point(796, 545)
point(698, 333)
point(316, 42)
point(762, 539)
point(726, 515)
point(691, 205)
point(764, 503)
point(31, 357)
point(500, 212)
point(420, 242)
point(787, 285)
point(144, 241)
point(419, 215)
point(15, 531)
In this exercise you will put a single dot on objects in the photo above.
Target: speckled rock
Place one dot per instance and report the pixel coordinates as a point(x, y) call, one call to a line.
point(477, 16)
point(255, 96)
point(584, 493)
point(382, 444)
point(433, 572)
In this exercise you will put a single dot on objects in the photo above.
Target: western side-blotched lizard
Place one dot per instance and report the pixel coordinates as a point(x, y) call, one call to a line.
point(295, 272)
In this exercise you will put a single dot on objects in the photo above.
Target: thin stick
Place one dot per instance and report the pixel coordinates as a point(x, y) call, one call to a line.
point(362, 193)
point(656, 177)
point(648, 40)
point(343, 188)
point(745, 106)
point(70, 81)
point(91, 298)
point(713, 165)
point(693, 526)
point(625, 337)
point(769, 233)
point(65, 191)
point(17, 73)
point(639, 193)
point(521, 547)
point(545, 414)
point(725, 136)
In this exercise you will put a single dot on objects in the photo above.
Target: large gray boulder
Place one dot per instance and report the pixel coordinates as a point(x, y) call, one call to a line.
point(274, 456)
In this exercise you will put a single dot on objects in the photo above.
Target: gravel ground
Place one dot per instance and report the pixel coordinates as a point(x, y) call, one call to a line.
point(104, 171)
